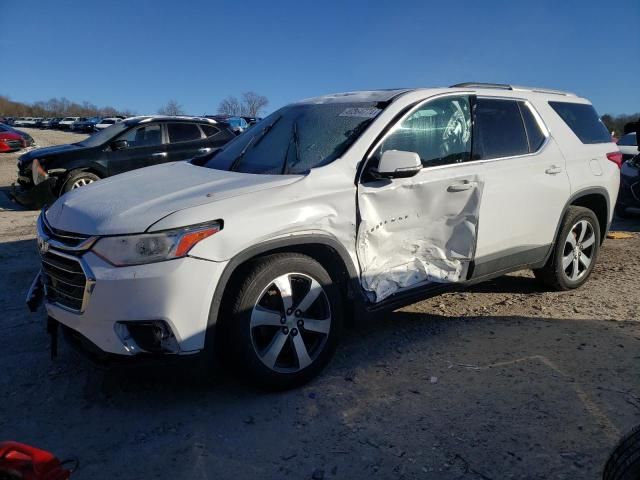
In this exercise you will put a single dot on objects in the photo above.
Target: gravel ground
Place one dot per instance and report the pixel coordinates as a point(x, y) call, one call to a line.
point(505, 380)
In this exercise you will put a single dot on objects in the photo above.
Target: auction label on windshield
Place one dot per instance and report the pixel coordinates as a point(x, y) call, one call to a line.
point(360, 112)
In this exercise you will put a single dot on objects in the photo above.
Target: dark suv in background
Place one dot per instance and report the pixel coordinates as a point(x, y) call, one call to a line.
point(47, 173)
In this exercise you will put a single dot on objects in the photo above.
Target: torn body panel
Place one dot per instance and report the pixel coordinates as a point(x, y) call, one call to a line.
point(417, 230)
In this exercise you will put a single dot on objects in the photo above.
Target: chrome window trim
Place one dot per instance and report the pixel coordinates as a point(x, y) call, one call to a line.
point(543, 127)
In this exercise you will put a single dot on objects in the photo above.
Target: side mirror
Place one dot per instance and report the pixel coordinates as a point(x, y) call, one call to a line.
point(119, 145)
point(398, 164)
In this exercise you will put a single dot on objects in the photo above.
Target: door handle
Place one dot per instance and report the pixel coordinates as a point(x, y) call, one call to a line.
point(159, 154)
point(553, 170)
point(204, 150)
point(460, 186)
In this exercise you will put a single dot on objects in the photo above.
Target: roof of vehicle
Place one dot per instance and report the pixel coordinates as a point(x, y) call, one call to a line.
point(386, 95)
point(177, 118)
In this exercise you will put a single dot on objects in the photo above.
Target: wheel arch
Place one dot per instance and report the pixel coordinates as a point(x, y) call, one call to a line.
point(595, 199)
point(325, 249)
point(64, 177)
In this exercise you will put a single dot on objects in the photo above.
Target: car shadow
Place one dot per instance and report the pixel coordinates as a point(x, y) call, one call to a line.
point(8, 203)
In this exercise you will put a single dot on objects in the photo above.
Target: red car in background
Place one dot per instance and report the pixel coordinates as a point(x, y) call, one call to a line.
point(10, 141)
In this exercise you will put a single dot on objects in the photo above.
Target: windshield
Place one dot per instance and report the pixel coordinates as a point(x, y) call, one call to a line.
point(103, 136)
point(296, 138)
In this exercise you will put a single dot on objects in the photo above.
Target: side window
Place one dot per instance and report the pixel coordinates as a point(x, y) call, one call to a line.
point(144, 136)
point(183, 132)
point(534, 133)
point(439, 131)
point(498, 129)
point(209, 130)
point(583, 120)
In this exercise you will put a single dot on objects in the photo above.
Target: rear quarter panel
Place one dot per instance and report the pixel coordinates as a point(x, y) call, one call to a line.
point(587, 164)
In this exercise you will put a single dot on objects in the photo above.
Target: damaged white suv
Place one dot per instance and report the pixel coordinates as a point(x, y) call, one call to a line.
point(329, 207)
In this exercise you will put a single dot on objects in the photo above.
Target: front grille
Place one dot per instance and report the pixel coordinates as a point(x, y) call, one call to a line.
point(64, 280)
point(67, 238)
point(14, 143)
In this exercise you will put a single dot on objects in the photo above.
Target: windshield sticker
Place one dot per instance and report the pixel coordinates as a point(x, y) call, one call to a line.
point(360, 112)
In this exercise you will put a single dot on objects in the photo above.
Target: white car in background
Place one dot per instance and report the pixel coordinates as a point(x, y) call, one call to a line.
point(107, 122)
point(353, 202)
point(24, 122)
point(628, 146)
point(66, 122)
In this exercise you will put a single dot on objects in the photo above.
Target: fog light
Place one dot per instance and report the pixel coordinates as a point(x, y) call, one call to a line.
point(153, 336)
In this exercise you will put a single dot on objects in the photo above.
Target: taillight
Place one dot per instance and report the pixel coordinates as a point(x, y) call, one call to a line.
point(615, 157)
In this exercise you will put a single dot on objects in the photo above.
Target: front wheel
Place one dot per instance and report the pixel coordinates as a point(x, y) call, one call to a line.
point(285, 321)
point(77, 179)
point(575, 252)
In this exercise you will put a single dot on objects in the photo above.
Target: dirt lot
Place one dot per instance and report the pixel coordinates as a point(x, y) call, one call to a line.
point(503, 381)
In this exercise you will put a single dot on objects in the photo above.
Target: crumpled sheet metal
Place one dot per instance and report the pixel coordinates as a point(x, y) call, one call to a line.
point(414, 233)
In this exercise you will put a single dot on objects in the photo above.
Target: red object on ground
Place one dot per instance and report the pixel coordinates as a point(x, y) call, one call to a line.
point(24, 462)
point(10, 141)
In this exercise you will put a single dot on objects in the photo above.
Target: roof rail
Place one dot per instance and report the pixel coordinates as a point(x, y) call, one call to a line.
point(504, 86)
point(501, 86)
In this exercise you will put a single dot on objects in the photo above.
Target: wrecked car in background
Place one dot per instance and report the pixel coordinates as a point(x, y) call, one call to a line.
point(28, 139)
point(46, 173)
point(339, 204)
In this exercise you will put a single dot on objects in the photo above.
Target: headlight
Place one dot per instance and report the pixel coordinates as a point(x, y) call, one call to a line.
point(38, 173)
point(152, 247)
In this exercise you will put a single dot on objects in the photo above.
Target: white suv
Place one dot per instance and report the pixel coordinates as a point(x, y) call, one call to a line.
point(328, 208)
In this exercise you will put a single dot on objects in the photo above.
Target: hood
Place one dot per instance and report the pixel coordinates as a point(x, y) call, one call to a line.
point(46, 151)
point(133, 201)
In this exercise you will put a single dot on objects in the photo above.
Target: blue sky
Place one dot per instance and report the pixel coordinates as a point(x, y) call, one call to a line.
point(138, 54)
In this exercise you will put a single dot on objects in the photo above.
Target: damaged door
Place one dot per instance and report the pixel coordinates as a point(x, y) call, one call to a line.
point(423, 228)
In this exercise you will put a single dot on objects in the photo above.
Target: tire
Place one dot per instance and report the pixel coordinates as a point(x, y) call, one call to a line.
point(78, 178)
point(275, 355)
point(581, 250)
point(624, 462)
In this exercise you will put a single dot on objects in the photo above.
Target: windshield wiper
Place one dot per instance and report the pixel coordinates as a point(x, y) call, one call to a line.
point(254, 141)
point(296, 144)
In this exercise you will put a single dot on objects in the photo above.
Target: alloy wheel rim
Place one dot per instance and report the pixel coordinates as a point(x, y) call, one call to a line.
point(579, 248)
point(290, 322)
point(81, 182)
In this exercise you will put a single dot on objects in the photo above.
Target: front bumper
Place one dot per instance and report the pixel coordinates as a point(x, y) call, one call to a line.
point(178, 292)
point(36, 197)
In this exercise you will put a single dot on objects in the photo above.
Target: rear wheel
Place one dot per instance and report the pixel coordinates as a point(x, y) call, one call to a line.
point(575, 252)
point(77, 179)
point(285, 321)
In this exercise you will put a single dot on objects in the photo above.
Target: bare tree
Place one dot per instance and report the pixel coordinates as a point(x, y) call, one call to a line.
point(171, 108)
point(252, 103)
point(230, 106)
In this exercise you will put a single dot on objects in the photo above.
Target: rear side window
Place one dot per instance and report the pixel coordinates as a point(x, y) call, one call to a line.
point(209, 130)
point(534, 133)
point(583, 120)
point(183, 132)
point(498, 129)
point(629, 140)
